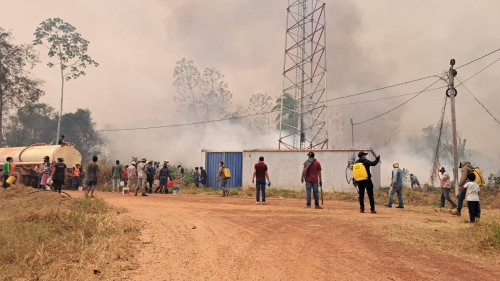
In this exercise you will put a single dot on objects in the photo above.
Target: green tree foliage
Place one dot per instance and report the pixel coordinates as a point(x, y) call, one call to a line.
point(34, 124)
point(69, 49)
point(206, 95)
point(290, 117)
point(18, 87)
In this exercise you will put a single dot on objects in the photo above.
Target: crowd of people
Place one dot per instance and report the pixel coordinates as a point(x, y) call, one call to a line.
point(140, 176)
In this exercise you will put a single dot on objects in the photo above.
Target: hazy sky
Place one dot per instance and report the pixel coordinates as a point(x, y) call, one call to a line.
point(370, 44)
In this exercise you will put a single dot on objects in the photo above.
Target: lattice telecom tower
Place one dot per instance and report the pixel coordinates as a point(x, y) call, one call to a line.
point(303, 115)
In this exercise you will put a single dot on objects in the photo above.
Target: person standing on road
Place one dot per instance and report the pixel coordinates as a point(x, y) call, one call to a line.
point(92, 175)
point(260, 174)
point(141, 176)
point(75, 173)
point(366, 184)
point(132, 177)
point(151, 176)
point(311, 173)
point(472, 190)
point(223, 180)
point(396, 186)
point(59, 174)
point(196, 177)
point(203, 175)
point(163, 177)
point(125, 175)
point(467, 169)
point(46, 172)
point(116, 175)
point(445, 188)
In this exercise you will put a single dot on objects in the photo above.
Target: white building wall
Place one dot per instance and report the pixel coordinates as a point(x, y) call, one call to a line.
point(285, 168)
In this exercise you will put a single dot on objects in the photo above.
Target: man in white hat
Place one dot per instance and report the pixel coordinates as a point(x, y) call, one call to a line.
point(141, 176)
point(396, 186)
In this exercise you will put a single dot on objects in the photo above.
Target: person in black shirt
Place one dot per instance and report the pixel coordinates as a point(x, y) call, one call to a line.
point(203, 177)
point(366, 184)
point(62, 141)
point(59, 174)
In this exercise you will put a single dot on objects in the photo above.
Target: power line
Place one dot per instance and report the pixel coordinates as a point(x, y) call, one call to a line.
point(343, 97)
point(479, 102)
point(461, 83)
point(391, 110)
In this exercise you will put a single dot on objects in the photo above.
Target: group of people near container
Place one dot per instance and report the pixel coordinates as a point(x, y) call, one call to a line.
point(140, 176)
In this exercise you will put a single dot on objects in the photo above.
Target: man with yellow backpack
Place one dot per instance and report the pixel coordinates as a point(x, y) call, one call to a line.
point(467, 169)
point(363, 180)
point(224, 174)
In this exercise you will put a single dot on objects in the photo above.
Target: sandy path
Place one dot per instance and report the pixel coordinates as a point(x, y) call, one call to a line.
point(237, 240)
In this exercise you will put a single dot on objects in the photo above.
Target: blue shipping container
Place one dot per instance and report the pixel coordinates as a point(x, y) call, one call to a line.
point(232, 160)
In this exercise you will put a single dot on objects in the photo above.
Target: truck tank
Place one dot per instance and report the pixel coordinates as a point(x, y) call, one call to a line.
point(28, 157)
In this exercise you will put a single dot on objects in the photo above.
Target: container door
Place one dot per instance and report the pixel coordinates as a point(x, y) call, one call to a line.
point(213, 160)
point(234, 161)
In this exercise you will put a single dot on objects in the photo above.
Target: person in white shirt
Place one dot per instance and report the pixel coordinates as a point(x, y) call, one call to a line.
point(472, 197)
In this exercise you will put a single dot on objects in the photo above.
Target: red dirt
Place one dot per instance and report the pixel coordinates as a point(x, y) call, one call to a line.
point(212, 238)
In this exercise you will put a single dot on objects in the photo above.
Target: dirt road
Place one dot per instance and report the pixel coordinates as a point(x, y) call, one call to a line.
point(212, 238)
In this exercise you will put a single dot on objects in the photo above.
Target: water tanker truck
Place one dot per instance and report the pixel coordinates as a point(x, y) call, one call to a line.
point(29, 157)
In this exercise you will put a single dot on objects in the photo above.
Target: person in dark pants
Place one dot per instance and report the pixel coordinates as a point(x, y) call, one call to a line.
point(311, 173)
point(260, 173)
point(366, 184)
point(196, 177)
point(203, 175)
point(151, 176)
point(164, 174)
point(59, 174)
point(467, 169)
point(472, 190)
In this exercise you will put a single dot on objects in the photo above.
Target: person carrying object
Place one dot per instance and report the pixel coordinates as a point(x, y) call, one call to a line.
point(396, 186)
point(203, 175)
point(196, 177)
point(311, 173)
point(445, 188)
point(366, 184)
point(466, 167)
point(7, 168)
point(260, 174)
point(223, 180)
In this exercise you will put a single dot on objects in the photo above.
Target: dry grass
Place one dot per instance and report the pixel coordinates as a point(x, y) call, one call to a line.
point(44, 236)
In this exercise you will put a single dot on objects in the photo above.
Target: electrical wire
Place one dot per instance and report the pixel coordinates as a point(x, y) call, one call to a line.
point(338, 98)
point(462, 83)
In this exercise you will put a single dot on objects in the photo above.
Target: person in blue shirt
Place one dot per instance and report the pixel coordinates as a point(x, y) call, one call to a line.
point(151, 176)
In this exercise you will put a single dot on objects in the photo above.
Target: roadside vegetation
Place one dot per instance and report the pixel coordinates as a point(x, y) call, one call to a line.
point(46, 236)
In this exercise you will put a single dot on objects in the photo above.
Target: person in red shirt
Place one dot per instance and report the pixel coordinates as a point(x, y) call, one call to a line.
point(311, 173)
point(125, 175)
point(260, 172)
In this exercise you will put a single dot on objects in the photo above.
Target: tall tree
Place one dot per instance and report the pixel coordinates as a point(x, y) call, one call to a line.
point(261, 103)
point(206, 95)
point(69, 48)
point(18, 87)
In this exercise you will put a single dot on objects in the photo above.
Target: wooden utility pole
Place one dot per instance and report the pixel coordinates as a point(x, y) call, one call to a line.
point(452, 92)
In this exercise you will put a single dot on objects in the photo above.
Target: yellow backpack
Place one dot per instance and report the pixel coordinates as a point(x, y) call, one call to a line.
point(359, 172)
point(227, 173)
point(479, 177)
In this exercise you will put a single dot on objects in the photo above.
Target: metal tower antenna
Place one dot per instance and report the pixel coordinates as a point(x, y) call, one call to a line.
point(303, 115)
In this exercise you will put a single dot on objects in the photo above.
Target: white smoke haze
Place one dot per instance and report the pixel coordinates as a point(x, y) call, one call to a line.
point(370, 44)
